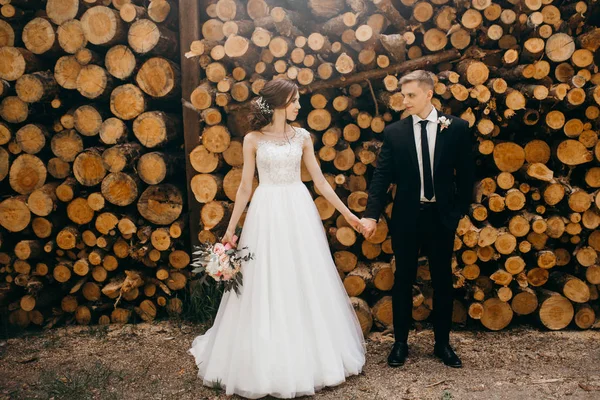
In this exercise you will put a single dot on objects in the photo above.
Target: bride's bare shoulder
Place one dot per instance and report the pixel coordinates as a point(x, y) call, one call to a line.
point(252, 136)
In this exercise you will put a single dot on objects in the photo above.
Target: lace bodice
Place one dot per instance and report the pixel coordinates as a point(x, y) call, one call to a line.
point(278, 162)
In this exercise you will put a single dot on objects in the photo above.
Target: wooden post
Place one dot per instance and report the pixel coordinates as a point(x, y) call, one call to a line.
point(189, 30)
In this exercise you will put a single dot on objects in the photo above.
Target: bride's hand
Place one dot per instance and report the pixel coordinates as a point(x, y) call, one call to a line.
point(354, 222)
point(230, 238)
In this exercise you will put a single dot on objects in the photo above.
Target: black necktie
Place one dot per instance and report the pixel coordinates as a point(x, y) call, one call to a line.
point(427, 179)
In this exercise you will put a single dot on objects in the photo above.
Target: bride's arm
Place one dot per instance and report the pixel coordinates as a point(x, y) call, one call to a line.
point(245, 189)
point(310, 161)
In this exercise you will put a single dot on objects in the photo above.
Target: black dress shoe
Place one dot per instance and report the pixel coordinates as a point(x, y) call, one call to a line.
point(398, 354)
point(447, 355)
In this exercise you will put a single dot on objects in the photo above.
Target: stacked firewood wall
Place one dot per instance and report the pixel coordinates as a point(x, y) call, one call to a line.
point(91, 161)
point(523, 73)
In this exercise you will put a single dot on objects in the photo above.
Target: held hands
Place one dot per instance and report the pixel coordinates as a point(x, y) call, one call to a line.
point(368, 227)
point(354, 222)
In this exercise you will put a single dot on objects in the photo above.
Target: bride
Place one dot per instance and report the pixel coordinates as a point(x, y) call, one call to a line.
point(292, 329)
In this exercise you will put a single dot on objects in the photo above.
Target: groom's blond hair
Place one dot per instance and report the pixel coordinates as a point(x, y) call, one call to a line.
point(424, 78)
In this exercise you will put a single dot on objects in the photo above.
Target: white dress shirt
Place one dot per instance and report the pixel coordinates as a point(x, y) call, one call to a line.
point(431, 136)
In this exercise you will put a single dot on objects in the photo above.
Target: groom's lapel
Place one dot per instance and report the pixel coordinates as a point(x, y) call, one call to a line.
point(439, 142)
point(409, 137)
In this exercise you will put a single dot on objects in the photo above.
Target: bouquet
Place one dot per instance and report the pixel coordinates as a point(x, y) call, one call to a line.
point(222, 262)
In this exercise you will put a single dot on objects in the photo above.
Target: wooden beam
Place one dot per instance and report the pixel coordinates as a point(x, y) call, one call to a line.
point(417, 63)
point(189, 30)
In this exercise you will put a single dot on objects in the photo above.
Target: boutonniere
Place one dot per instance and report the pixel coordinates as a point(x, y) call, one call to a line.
point(444, 122)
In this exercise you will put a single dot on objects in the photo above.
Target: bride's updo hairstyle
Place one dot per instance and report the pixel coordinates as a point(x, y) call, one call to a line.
point(278, 93)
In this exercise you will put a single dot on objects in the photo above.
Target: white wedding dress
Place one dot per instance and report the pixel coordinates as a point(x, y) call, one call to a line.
point(292, 330)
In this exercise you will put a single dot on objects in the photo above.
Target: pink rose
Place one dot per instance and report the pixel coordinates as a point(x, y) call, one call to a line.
point(226, 277)
point(219, 249)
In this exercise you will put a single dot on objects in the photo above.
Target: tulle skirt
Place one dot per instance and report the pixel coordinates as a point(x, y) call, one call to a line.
point(292, 330)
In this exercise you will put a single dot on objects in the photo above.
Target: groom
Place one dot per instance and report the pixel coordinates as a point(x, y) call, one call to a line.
point(429, 157)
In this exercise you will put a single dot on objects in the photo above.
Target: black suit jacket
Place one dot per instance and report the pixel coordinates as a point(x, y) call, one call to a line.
point(453, 174)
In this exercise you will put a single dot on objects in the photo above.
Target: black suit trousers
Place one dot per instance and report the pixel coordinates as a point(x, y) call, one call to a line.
point(436, 241)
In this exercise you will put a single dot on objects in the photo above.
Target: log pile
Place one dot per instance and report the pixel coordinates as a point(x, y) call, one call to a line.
point(91, 159)
point(524, 74)
point(91, 221)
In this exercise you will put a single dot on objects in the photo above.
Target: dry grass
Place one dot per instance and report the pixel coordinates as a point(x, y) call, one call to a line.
point(150, 361)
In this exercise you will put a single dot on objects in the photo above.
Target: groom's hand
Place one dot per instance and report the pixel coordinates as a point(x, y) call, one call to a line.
point(368, 227)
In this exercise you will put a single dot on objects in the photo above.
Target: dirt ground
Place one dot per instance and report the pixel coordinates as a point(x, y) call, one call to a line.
point(150, 361)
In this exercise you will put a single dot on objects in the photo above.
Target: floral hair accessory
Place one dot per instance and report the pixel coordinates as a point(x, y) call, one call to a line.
point(264, 106)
